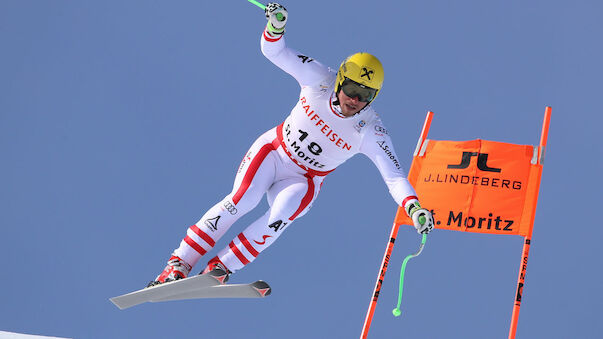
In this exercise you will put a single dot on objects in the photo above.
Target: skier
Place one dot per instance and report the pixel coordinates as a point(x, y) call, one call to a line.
point(331, 122)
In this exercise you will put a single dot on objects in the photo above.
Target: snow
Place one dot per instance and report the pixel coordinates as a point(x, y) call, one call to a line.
point(11, 335)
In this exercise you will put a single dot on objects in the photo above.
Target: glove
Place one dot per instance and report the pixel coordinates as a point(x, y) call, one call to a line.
point(277, 18)
point(421, 217)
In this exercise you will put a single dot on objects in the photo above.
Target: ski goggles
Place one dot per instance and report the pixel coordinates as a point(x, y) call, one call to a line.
point(353, 89)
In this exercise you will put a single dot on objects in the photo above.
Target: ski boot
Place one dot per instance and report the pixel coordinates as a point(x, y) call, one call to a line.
point(217, 268)
point(176, 269)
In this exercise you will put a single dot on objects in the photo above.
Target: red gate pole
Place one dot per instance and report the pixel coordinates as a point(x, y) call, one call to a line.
point(523, 265)
point(390, 245)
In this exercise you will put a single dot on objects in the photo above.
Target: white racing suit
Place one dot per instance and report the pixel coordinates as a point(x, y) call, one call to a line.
point(290, 161)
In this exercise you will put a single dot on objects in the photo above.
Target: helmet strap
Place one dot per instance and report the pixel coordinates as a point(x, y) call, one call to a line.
point(336, 101)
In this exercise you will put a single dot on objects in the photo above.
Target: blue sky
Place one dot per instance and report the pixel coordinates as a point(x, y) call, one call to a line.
point(122, 122)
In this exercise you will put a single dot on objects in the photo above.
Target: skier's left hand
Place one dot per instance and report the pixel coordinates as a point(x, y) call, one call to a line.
point(277, 18)
point(422, 219)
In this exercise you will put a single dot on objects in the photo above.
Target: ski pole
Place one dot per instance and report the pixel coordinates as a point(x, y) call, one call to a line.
point(279, 16)
point(260, 5)
point(396, 310)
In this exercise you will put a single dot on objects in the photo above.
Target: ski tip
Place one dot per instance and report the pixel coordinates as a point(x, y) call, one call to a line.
point(115, 302)
point(262, 288)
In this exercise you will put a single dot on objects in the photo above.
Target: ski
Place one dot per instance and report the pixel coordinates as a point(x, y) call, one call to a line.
point(257, 289)
point(213, 278)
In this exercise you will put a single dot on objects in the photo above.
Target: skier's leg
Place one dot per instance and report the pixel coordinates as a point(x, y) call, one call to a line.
point(255, 175)
point(289, 199)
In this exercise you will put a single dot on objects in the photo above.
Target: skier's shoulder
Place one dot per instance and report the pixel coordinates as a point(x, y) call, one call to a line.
point(325, 84)
point(330, 76)
point(374, 125)
point(378, 125)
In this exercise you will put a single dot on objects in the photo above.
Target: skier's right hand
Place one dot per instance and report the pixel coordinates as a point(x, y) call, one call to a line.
point(277, 18)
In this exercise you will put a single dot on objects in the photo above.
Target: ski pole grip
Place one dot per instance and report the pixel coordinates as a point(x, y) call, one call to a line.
point(422, 220)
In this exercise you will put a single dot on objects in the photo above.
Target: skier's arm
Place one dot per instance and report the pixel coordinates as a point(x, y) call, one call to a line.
point(304, 69)
point(377, 145)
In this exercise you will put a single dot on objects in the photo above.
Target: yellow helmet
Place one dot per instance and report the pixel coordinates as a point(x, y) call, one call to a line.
point(364, 69)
